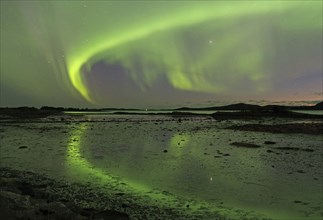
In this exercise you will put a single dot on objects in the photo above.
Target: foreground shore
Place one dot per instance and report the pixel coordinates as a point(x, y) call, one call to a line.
point(27, 195)
point(160, 167)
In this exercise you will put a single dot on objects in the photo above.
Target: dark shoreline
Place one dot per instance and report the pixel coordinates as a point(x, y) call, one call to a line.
point(220, 115)
point(292, 128)
point(243, 111)
point(27, 195)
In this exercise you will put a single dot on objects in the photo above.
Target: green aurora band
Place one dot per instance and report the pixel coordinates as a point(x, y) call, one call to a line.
point(181, 77)
point(200, 46)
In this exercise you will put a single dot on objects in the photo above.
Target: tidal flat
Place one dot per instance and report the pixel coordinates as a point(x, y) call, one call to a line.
point(82, 166)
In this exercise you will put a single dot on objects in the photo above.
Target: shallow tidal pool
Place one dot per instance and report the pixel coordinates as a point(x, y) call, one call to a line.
point(187, 163)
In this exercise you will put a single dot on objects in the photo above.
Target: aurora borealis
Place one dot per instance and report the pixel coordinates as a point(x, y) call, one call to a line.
point(159, 53)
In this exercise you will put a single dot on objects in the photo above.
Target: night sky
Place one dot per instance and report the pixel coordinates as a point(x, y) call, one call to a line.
point(160, 53)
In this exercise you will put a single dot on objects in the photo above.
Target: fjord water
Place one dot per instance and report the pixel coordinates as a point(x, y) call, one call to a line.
point(189, 158)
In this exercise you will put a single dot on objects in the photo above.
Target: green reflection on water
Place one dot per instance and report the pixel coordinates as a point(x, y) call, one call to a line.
point(79, 167)
point(82, 169)
point(177, 143)
point(77, 163)
point(184, 154)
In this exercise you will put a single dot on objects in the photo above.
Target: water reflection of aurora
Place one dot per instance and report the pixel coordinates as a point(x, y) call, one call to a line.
point(83, 170)
point(185, 173)
point(79, 164)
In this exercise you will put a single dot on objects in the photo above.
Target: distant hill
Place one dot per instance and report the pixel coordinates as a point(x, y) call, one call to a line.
point(318, 106)
point(250, 107)
point(238, 106)
point(232, 107)
point(30, 112)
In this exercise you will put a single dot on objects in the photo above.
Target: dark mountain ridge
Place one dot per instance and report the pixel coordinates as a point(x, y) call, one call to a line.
point(251, 107)
point(232, 107)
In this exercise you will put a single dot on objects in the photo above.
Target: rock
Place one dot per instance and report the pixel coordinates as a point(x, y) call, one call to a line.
point(124, 205)
point(23, 147)
point(109, 214)
point(58, 210)
point(246, 145)
point(288, 148)
point(308, 150)
point(269, 142)
point(25, 189)
point(14, 199)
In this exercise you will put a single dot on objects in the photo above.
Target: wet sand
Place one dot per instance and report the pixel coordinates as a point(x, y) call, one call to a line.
point(160, 167)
